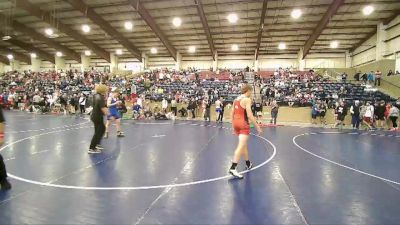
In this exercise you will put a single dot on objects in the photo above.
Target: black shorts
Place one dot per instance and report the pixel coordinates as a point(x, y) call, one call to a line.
point(314, 116)
point(341, 117)
point(380, 117)
point(322, 114)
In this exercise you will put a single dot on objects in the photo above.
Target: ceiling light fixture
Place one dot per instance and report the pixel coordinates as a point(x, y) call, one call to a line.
point(10, 57)
point(128, 25)
point(85, 28)
point(296, 13)
point(49, 31)
point(153, 51)
point(33, 55)
point(192, 49)
point(282, 46)
point(59, 54)
point(177, 22)
point(232, 18)
point(367, 10)
point(235, 47)
point(118, 52)
point(334, 44)
point(6, 38)
point(88, 53)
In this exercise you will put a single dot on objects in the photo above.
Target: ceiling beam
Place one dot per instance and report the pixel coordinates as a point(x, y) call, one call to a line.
point(203, 19)
point(18, 56)
point(388, 20)
point(4, 60)
point(34, 10)
point(333, 8)
point(145, 15)
point(359, 44)
point(261, 27)
point(105, 26)
point(39, 37)
point(30, 48)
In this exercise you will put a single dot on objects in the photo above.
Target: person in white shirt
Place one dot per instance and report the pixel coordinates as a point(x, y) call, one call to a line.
point(82, 103)
point(164, 105)
point(218, 110)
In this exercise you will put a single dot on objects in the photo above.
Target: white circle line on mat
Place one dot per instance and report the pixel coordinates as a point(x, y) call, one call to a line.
point(339, 164)
point(49, 184)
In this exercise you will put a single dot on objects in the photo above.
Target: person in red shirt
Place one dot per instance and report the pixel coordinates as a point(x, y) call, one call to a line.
point(242, 116)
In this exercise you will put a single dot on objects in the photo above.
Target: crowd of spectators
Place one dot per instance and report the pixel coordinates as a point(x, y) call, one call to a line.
point(188, 94)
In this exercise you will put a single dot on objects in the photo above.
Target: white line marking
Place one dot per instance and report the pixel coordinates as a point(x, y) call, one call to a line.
point(49, 184)
point(341, 165)
point(158, 136)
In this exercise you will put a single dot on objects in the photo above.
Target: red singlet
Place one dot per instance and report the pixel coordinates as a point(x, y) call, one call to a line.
point(240, 121)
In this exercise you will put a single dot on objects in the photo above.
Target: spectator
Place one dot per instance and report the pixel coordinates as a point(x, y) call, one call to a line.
point(394, 115)
point(274, 112)
point(355, 115)
point(390, 73)
point(378, 76)
point(371, 77)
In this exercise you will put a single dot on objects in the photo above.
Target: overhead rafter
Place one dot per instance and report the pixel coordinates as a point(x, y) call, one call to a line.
point(371, 34)
point(18, 56)
point(30, 48)
point(261, 28)
point(204, 21)
point(145, 15)
point(39, 37)
point(4, 60)
point(48, 18)
point(387, 21)
point(333, 8)
point(103, 24)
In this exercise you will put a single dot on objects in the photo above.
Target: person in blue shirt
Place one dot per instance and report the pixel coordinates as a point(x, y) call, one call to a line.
point(114, 115)
point(371, 77)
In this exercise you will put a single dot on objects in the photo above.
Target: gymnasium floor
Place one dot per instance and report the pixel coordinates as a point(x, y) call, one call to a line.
point(175, 173)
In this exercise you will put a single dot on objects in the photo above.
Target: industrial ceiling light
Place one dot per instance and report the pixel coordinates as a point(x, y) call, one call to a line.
point(282, 46)
point(6, 38)
point(59, 54)
point(367, 10)
point(33, 55)
point(49, 31)
point(192, 49)
point(296, 13)
point(153, 51)
point(88, 53)
point(128, 25)
point(235, 47)
point(118, 52)
point(85, 28)
point(232, 18)
point(10, 57)
point(177, 22)
point(334, 44)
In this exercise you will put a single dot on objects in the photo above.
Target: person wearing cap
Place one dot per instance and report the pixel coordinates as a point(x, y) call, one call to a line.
point(97, 117)
point(113, 102)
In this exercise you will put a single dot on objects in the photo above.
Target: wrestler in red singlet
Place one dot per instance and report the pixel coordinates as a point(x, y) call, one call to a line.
point(240, 120)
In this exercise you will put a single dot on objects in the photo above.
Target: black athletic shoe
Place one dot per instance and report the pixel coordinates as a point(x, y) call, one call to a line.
point(99, 147)
point(250, 166)
point(5, 185)
point(120, 134)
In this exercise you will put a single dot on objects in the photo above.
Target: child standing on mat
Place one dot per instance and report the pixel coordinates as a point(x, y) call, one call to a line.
point(241, 118)
point(113, 103)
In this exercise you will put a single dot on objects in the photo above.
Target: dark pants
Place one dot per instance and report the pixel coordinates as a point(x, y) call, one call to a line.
point(394, 121)
point(82, 107)
point(193, 113)
point(174, 110)
point(220, 116)
point(99, 129)
point(3, 172)
point(355, 121)
point(207, 114)
point(274, 115)
point(378, 81)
